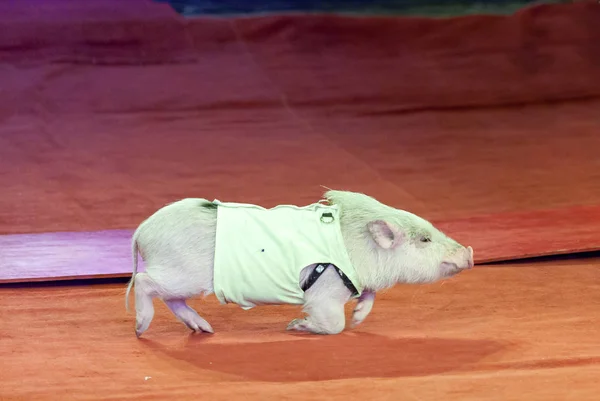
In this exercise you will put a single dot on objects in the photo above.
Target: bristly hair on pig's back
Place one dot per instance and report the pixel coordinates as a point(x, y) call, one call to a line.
point(358, 202)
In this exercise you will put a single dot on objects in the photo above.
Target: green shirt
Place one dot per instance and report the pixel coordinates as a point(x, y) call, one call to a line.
point(260, 253)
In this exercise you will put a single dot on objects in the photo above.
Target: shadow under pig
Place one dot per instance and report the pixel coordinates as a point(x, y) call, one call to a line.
point(344, 356)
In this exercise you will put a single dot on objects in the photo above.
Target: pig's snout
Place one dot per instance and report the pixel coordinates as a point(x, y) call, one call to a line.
point(471, 261)
point(461, 260)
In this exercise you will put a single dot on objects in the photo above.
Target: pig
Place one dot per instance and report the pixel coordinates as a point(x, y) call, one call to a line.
point(346, 246)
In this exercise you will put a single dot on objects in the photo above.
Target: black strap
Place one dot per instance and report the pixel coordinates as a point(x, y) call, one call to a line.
point(318, 271)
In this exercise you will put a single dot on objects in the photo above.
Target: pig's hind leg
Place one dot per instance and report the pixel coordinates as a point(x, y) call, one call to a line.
point(324, 303)
point(173, 291)
point(145, 290)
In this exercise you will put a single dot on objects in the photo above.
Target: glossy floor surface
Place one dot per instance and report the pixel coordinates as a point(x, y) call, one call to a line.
point(526, 331)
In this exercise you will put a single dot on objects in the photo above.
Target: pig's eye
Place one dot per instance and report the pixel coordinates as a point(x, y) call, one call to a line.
point(425, 239)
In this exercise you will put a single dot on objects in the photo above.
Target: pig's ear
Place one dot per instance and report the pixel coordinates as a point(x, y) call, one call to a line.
point(386, 235)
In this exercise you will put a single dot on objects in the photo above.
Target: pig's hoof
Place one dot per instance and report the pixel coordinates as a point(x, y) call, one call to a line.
point(298, 325)
point(361, 311)
point(190, 317)
point(358, 317)
point(199, 324)
point(140, 328)
point(138, 333)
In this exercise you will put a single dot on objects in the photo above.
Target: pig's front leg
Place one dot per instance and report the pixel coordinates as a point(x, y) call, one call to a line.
point(363, 307)
point(324, 304)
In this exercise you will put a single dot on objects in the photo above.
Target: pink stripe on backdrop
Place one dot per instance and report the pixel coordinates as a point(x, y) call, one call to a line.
point(65, 255)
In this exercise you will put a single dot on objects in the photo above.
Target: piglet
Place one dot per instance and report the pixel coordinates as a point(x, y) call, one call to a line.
point(347, 246)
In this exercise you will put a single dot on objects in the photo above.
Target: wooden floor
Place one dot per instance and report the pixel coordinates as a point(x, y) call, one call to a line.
point(485, 125)
point(524, 331)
